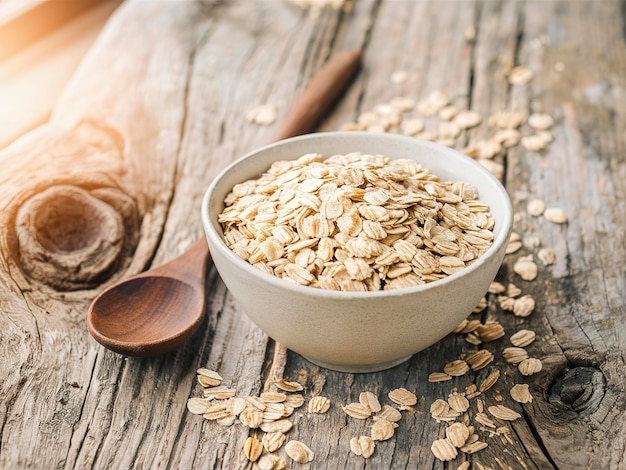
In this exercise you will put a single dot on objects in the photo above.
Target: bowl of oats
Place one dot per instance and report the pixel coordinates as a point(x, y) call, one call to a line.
point(355, 249)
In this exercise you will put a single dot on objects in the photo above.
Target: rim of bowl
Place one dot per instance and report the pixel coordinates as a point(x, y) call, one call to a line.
point(500, 239)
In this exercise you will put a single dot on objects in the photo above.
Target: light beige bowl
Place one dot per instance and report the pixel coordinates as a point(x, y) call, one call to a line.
point(357, 331)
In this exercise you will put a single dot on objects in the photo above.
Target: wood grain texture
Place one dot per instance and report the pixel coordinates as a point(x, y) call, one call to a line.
point(157, 109)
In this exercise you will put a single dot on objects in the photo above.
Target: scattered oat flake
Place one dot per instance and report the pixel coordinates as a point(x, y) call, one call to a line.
point(512, 290)
point(457, 434)
point(443, 450)
point(440, 410)
point(545, 135)
point(412, 126)
point(219, 392)
point(488, 149)
point(458, 403)
point(198, 406)
point(514, 355)
point(402, 103)
point(226, 420)
point(530, 366)
point(402, 396)
point(489, 381)
point(520, 75)
point(262, 115)
point(295, 400)
point(506, 302)
point(357, 410)
point(363, 446)
point(526, 268)
point(471, 325)
point(438, 377)
point(480, 404)
point(456, 368)
point(507, 138)
point(251, 417)
point(524, 306)
point(535, 207)
point(299, 452)
point(470, 36)
point(508, 119)
point(273, 397)
point(370, 401)
point(513, 247)
point(448, 113)
point(496, 288)
point(540, 121)
point(479, 359)
point(504, 413)
point(273, 412)
point(547, 256)
point(271, 462)
point(468, 119)
point(253, 448)
point(319, 404)
point(521, 394)
point(288, 386)
point(490, 331)
point(256, 402)
point(483, 419)
point(522, 338)
point(272, 441)
point(473, 338)
point(399, 76)
point(534, 143)
point(281, 425)
point(208, 378)
point(474, 447)
point(464, 466)
point(555, 215)
point(388, 413)
point(382, 430)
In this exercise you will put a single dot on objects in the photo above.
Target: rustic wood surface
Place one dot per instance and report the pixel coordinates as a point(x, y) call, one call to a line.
point(112, 185)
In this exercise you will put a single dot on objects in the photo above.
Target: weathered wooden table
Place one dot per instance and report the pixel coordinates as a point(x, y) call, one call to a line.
point(158, 108)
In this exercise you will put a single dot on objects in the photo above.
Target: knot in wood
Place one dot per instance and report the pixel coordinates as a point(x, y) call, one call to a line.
point(582, 388)
point(71, 238)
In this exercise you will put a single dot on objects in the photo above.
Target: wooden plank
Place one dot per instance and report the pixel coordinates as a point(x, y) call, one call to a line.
point(149, 142)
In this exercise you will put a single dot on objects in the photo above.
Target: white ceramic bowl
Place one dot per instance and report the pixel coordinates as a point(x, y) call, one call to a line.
point(357, 331)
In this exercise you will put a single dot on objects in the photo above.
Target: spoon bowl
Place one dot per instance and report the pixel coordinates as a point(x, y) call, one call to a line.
point(142, 327)
point(155, 312)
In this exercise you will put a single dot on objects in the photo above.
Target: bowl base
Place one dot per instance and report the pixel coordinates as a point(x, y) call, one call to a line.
point(359, 369)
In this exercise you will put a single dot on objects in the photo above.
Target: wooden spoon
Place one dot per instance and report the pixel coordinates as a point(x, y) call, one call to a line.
point(156, 311)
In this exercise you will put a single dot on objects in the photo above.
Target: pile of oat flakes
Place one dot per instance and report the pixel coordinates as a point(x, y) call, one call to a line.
point(466, 430)
point(356, 222)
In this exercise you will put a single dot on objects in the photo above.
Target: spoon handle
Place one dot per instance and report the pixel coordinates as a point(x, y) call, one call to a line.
point(319, 95)
point(188, 266)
